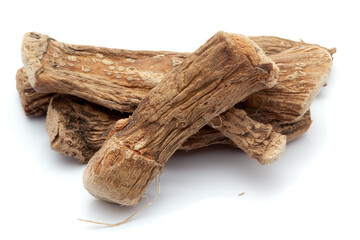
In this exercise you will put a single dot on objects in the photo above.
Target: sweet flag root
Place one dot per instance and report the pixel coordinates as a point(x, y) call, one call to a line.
point(221, 73)
point(129, 111)
point(78, 128)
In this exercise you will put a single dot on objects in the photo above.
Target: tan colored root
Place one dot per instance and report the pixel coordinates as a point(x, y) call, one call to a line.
point(132, 215)
point(33, 103)
point(71, 61)
point(78, 128)
point(222, 72)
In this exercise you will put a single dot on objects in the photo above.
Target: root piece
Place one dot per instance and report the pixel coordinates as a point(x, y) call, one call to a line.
point(274, 143)
point(222, 72)
point(116, 79)
point(58, 67)
point(78, 128)
point(33, 103)
point(273, 45)
point(259, 141)
point(292, 129)
point(70, 118)
point(66, 68)
point(303, 72)
point(167, 62)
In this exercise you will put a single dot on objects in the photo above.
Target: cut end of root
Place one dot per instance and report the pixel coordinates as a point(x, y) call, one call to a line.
point(274, 150)
point(133, 214)
point(34, 46)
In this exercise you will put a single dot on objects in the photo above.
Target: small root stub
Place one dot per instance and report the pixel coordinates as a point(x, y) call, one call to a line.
point(133, 214)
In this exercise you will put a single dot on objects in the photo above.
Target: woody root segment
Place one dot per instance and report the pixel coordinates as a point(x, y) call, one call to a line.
point(125, 112)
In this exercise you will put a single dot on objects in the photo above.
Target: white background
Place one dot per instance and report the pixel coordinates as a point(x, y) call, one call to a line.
point(312, 192)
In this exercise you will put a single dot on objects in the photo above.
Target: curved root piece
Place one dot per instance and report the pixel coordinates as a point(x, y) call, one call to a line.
point(222, 72)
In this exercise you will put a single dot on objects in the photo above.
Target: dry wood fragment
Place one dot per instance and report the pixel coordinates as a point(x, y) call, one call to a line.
point(33, 103)
point(222, 72)
point(116, 79)
point(64, 67)
point(267, 146)
point(147, 71)
point(260, 141)
point(292, 129)
point(78, 128)
point(167, 63)
point(303, 72)
point(206, 136)
point(309, 64)
point(209, 136)
point(274, 45)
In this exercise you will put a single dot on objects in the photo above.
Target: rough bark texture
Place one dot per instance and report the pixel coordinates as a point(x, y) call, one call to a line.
point(294, 129)
point(33, 103)
point(116, 79)
point(150, 65)
point(58, 67)
point(274, 45)
point(155, 64)
point(64, 67)
point(222, 72)
point(78, 129)
point(206, 136)
point(260, 141)
point(303, 72)
point(263, 143)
